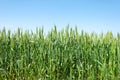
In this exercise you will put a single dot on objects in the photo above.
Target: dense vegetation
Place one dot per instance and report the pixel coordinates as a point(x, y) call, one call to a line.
point(64, 55)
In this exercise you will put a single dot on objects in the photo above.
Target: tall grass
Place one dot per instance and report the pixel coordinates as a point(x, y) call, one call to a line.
point(63, 55)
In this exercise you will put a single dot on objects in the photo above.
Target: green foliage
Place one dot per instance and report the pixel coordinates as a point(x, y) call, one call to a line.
point(64, 55)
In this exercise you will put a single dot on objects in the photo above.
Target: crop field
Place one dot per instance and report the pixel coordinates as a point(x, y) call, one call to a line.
point(60, 55)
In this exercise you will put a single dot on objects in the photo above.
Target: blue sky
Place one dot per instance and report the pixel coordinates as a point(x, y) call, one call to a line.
point(88, 15)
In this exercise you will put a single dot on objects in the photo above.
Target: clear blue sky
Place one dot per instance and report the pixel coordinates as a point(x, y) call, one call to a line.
point(88, 15)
